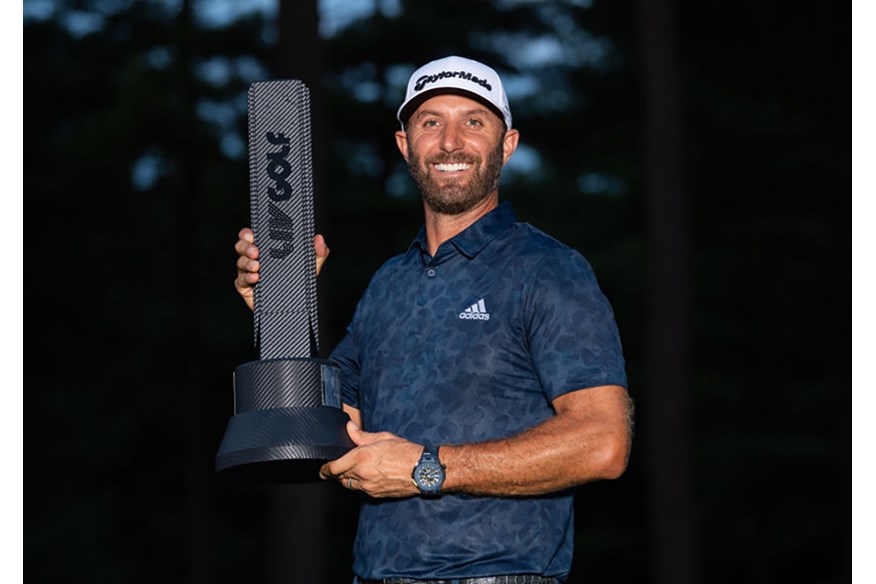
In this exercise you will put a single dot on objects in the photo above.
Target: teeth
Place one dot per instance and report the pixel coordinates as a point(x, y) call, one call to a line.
point(452, 167)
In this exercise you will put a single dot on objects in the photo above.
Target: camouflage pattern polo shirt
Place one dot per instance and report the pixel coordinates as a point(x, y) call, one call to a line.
point(470, 345)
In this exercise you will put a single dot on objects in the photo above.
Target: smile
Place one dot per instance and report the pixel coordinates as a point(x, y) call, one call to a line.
point(456, 167)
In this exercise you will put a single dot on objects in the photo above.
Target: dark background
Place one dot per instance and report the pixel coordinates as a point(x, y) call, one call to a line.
point(696, 152)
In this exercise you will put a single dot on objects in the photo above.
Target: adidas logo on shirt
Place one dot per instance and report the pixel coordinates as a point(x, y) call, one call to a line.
point(477, 311)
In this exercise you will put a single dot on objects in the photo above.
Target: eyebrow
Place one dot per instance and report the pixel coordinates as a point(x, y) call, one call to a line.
point(471, 112)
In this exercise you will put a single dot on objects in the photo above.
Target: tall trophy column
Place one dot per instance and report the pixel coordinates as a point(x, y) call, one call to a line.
point(287, 419)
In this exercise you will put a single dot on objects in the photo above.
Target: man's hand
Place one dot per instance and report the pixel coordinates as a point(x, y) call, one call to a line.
point(248, 262)
point(380, 465)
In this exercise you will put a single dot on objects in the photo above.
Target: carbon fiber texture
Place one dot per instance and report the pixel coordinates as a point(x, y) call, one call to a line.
point(278, 383)
point(287, 404)
point(286, 427)
point(281, 207)
point(281, 470)
point(277, 434)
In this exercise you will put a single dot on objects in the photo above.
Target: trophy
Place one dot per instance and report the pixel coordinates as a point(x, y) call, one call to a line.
point(287, 407)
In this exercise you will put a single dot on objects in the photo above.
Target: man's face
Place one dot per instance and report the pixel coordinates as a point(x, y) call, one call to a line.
point(455, 148)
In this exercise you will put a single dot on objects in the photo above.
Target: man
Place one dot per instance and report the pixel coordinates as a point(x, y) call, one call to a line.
point(482, 371)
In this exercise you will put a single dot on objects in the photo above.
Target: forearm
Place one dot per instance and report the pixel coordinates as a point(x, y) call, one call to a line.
point(578, 445)
point(587, 439)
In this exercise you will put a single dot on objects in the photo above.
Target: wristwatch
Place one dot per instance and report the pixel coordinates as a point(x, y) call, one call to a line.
point(428, 473)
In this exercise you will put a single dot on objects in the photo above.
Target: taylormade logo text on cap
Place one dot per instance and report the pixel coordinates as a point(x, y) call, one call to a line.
point(456, 75)
point(425, 79)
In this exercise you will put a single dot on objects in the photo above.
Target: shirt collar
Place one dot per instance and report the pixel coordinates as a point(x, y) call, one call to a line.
point(476, 236)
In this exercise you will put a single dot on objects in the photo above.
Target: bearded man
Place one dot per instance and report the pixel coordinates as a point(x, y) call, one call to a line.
point(482, 371)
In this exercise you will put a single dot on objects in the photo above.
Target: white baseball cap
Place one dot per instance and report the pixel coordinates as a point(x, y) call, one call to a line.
point(460, 76)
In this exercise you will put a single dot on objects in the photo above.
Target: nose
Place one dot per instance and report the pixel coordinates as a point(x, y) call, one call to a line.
point(451, 138)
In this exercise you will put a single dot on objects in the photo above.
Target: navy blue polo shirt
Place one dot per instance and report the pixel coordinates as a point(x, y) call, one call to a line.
point(473, 345)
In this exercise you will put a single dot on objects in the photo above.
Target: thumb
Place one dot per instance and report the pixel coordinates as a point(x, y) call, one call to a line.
point(360, 436)
point(322, 251)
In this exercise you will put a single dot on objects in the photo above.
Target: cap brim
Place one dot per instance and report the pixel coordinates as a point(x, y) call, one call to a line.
point(410, 107)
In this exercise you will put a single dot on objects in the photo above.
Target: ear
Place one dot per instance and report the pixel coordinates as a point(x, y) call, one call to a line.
point(509, 144)
point(401, 140)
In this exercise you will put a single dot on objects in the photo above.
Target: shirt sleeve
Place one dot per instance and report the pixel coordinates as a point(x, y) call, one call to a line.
point(346, 357)
point(572, 334)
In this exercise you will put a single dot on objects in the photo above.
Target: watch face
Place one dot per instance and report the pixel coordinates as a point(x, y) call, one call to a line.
point(429, 475)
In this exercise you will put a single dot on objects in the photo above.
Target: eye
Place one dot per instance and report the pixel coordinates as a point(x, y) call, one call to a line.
point(430, 123)
point(474, 123)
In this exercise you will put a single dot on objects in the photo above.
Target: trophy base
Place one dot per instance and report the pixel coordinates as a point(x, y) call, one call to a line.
point(282, 445)
point(279, 471)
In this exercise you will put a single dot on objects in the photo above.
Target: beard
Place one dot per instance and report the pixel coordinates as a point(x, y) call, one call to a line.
point(456, 197)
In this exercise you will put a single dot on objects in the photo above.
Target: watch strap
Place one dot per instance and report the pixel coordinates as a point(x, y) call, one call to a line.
point(429, 458)
point(430, 453)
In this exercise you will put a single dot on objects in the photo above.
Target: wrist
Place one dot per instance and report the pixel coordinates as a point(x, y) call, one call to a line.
point(449, 459)
point(429, 472)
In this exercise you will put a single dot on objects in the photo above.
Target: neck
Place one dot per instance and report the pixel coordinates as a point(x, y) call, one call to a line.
point(440, 227)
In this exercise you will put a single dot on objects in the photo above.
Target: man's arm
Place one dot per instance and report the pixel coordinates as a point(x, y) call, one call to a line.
point(588, 439)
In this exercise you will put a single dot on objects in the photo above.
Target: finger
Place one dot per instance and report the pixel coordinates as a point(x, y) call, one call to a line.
point(245, 281)
point(325, 473)
point(246, 234)
point(322, 251)
point(245, 264)
point(321, 247)
point(337, 467)
point(246, 249)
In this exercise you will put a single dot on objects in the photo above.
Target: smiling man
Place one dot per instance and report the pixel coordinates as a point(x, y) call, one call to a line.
point(456, 149)
point(482, 372)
